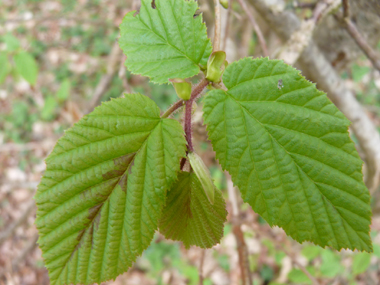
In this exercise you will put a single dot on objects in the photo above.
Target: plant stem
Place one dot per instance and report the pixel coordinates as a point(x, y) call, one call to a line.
point(197, 91)
point(188, 131)
point(173, 108)
point(358, 37)
point(256, 27)
point(346, 9)
point(194, 95)
point(227, 28)
point(217, 26)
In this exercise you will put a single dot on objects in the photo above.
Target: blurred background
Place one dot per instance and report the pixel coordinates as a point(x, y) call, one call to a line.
point(59, 59)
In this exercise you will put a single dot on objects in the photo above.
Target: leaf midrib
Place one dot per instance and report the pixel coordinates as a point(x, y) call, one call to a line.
point(169, 44)
point(299, 167)
point(100, 208)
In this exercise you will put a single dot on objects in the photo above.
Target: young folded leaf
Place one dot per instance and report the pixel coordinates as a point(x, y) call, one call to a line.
point(100, 199)
point(166, 41)
point(203, 175)
point(182, 88)
point(289, 151)
point(190, 217)
point(216, 65)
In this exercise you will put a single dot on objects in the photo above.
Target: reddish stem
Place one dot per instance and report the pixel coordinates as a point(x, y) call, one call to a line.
point(188, 133)
point(194, 95)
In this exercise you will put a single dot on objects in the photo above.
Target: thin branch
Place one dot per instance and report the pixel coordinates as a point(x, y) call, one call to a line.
point(300, 38)
point(5, 234)
point(31, 245)
point(197, 91)
point(9, 147)
point(106, 79)
point(188, 130)
point(14, 266)
point(307, 273)
point(217, 26)
point(357, 36)
point(239, 236)
point(122, 75)
point(297, 4)
point(259, 34)
point(201, 266)
point(173, 108)
point(228, 23)
point(346, 9)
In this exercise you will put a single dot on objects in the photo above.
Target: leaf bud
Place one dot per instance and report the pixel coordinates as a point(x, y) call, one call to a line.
point(224, 3)
point(203, 175)
point(216, 65)
point(182, 88)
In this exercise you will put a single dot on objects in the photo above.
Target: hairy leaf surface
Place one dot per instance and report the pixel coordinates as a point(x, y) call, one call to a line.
point(190, 217)
point(166, 41)
point(288, 150)
point(104, 188)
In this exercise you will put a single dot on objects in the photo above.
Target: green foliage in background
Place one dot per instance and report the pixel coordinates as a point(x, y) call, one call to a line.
point(115, 178)
point(24, 64)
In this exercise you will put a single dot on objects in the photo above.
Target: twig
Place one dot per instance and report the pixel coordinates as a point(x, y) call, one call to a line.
point(28, 248)
point(217, 26)
point(297, 4)
point(12, 227)
point(346, 9)
point(173, 108)
point(259, 34)
point(201, 266)
point(300, 38)
point(136, 4)
point(239, 236)
point(16, 262)
point(321, 71)
point(188, 131)
point(357, 36)
point(106, 79)
point(122, 75)
point(9, 147)
point(195, 93)
point(303, 269)
point(228, 22)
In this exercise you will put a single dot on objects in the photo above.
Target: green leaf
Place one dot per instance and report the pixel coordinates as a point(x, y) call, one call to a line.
point(104, 188)
point(4, 66)
point(311, 252)
point(64, 90)
point(166, 41)
point(11, 42)
point(27, 66)
point(288, 149)
point(190, 217)
point(376, 250)
point(331, 266)
point(298, 276)
point(361, 262)
point(48, 110)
